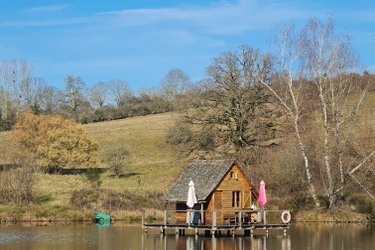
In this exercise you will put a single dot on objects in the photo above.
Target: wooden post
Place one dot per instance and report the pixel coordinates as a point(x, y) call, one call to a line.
point(164, 242)
point(240, 218)
point(202, 214)
point(264, 217)
point(213, 228)
point(213, 243)
point(143, 218)
point(214, 218)
point(165, 217)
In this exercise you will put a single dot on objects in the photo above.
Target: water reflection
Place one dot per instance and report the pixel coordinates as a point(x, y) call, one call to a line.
point(212, 243)
point(132, 237)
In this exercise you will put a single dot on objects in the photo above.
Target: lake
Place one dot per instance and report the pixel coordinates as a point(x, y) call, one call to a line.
point(132, 237)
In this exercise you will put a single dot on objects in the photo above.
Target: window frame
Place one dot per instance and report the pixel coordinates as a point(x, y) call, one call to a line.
point(236, 199)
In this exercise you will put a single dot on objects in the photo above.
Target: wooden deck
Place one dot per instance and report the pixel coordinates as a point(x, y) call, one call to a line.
point(236, 227)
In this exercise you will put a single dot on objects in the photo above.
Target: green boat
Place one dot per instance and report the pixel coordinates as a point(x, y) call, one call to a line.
point(102, 218)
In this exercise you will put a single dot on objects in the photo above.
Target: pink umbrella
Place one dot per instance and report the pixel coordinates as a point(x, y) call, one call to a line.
point(262, 199)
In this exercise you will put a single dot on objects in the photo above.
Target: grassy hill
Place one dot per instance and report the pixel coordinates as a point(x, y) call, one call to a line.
point(155, 164)
point(154, 168)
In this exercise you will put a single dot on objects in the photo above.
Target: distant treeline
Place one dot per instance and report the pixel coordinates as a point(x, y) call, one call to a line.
point(21, 91)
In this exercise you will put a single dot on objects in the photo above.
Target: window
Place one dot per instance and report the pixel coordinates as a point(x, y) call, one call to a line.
point(233, 175)
point(236, 199)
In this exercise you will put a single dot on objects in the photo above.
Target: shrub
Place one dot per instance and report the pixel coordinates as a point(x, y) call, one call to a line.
point(108, 199)
point(299, 202)
point(363, 204)
point(125, 200)
point(117, 157)
point(85, 198)
point(16, 179)
point(53, 141)
point(179, 134)
point(93, 176)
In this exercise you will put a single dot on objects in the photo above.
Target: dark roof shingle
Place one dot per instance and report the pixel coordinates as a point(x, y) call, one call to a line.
point(206, 175)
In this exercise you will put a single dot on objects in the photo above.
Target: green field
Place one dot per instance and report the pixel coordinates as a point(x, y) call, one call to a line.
point(155, 163)
point(154, 167)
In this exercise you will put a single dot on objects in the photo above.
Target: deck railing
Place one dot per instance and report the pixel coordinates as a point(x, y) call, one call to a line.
point(224, 217)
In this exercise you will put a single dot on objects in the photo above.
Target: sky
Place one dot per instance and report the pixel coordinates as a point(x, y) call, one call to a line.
point(140, 41)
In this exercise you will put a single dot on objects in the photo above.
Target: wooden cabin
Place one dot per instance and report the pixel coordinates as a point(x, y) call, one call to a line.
point(220, 185)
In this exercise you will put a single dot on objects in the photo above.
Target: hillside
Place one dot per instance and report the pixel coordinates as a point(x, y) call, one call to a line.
point(154, 168)
point(155, 164)
point(153, 160)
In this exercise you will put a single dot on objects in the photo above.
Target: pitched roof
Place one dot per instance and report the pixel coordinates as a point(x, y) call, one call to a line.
point(206, 175)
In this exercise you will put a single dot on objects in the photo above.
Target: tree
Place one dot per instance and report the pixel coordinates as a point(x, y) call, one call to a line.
point(120, 91)
point(17, 178)
point(175, 84)
point(99, 94)
point(14, 79)
point(52, 99)
point(73, 88)
point(33, 93)
point(234, 110)
point(314, 63)
point(54, 142)
point(93, 177)
point(117, 157)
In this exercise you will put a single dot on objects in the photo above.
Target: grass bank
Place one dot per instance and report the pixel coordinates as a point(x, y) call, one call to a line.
point(154, 167)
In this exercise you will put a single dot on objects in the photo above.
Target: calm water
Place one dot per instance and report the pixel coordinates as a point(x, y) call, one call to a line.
point(118, 236)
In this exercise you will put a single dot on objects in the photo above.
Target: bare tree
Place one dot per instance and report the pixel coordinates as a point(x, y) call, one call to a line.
point(33, 92)
point(16, 180)
point(74, 87)
point(287, 60)
point(52, 98)
point(15, 76)
point(234, 111)
point(324, 60)
point(174, 85)
point(117, 157)
point(98, 94)
point(119, 91)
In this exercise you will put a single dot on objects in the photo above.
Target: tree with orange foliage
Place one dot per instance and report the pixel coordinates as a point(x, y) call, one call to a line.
point(54, 142)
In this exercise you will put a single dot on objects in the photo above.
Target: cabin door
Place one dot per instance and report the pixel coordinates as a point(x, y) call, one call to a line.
point(218, 206)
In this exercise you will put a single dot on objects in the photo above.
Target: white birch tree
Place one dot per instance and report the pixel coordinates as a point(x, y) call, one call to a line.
point(317, 57)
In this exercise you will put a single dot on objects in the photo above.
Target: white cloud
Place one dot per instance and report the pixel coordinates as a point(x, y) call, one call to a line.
point(45, 22)
point(223, 18)
point(47, 8)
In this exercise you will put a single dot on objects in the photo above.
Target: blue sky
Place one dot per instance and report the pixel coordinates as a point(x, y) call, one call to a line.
point(140, 41)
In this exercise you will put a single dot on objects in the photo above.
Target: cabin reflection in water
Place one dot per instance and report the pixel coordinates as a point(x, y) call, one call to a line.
point(258, 242)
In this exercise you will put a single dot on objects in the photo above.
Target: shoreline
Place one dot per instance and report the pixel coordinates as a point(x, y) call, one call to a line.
point(312, 216)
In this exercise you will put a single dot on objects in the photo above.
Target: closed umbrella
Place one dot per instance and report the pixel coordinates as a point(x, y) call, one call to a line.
point(262, 200)
point(190, 201)
point(191, 198)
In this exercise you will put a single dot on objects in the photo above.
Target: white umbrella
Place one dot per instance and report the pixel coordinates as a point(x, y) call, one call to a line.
point(191, 198)
point(190, 201)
